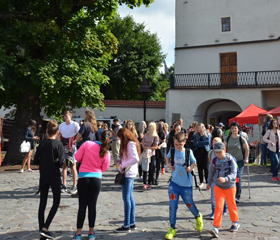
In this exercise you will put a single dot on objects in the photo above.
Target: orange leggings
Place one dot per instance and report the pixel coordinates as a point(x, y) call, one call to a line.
point(220, 196)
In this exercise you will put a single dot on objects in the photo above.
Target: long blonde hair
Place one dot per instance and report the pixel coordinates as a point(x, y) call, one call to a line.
point(152, 129)
point(203, 129)
point(90, 117)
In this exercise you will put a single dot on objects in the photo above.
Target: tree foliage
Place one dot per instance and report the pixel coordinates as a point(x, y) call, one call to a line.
point(53, 52)
point(139, 56)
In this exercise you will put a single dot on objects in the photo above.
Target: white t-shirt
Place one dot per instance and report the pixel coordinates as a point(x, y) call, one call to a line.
point(70, 130)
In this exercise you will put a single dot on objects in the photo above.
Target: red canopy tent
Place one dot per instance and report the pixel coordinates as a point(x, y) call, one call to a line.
point(249, 116)
point(275, 112)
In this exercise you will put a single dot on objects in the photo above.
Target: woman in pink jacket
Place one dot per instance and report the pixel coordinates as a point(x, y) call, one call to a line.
point(130, 153)
point(95, 159)
point(272, 137)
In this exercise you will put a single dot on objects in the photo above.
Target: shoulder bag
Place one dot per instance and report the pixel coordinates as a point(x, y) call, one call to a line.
point(120, 177)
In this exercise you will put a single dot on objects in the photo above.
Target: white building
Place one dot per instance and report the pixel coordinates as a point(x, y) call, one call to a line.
point(227, 56)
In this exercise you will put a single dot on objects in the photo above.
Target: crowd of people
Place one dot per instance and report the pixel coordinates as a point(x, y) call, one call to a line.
point(146, 150)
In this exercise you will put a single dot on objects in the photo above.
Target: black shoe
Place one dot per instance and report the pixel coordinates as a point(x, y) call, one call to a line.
point(133, 227)
point(270, 171)
point(123, 229)
point(46, 234)
point(156, 182)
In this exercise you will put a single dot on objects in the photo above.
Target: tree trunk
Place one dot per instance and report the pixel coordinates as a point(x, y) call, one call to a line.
point(28, 108)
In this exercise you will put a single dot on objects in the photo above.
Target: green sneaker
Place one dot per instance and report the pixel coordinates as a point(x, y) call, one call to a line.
point(171, 233)
point(199, 223)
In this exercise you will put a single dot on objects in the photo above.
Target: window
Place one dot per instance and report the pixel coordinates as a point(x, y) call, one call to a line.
point(226, 24)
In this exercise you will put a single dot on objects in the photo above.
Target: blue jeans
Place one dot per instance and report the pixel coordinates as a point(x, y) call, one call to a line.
point(174, 191)
point(264, 151)
point(274, 158)
point(129, 203)
point(213, 202)
point(238, 186)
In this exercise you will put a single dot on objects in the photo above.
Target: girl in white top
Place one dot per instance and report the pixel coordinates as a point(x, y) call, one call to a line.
point(272, 137)
point(130, 153)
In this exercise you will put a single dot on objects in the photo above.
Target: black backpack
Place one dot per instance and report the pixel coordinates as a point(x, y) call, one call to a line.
point(187, 164)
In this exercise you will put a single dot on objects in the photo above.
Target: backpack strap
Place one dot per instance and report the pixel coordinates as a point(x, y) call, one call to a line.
point(242, 149)
point(187, 157)
point(172, 156)
point(214, 161)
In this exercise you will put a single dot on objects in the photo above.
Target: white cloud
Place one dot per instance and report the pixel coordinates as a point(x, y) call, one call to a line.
point(159, 18)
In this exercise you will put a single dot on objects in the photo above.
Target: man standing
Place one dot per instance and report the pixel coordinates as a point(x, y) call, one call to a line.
point(218, 131)
point(268, 117)
point(68, 131)
point(115, 140)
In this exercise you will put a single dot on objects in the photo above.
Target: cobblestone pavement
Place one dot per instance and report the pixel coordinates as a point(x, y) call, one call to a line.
point(259, 216)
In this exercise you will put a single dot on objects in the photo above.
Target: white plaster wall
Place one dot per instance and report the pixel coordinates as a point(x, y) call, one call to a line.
point(186, 101)
point(223, 107)
point(135, 114)
point(198, 22)
point(250, 57)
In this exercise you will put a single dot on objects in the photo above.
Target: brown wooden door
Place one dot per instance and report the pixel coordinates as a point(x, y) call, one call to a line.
point(228, 62)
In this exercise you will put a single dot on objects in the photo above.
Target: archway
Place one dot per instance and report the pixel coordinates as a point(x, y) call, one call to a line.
point(215, 111)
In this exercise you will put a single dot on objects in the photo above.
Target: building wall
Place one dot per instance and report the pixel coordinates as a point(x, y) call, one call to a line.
point(198, 22)
point(124, 113)
point(192, 103)
point(250, 58)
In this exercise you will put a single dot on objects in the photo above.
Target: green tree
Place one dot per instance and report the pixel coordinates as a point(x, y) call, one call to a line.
point(139, 56)
point(53, 52)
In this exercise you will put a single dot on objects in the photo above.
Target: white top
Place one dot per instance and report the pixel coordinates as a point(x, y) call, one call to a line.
point(131, 160)
point(70, 130)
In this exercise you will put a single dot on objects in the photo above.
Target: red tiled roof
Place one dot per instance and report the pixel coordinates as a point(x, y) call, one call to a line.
point(137, 104)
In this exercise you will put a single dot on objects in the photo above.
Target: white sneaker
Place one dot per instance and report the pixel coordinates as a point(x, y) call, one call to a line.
point(201, 185)
point(21, 171)
point(30, 170)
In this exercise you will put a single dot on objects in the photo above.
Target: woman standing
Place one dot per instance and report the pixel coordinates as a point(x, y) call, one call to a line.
point(237, 146)
point(130, 153)
point(49, 157)
point(130, 126)
point(29, 136)
point(202, 142)
point(150, 141)
point(272, 137)
point(88, 129)
point(95, 159)
point(141, 132)
point(160, 151)
point(170, 142)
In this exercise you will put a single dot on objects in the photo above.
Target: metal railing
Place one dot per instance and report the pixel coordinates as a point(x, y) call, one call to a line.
point(226, 80)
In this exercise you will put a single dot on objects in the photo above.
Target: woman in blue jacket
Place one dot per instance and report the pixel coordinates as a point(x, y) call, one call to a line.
point(30, 137)
point(202, 143)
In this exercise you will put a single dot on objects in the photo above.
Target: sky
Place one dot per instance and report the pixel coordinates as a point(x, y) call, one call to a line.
point(158, 18)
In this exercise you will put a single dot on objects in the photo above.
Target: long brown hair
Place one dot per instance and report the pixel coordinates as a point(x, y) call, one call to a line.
point(125, 136)
point(133, 127)
point(90, 117)
point(105, 143)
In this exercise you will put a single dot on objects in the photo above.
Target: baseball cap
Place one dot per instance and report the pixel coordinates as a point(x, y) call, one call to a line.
point(221, 124)
point(219, 146)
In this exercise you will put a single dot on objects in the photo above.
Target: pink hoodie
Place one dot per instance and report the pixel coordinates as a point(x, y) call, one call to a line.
point(91, 163)
point(131, 159)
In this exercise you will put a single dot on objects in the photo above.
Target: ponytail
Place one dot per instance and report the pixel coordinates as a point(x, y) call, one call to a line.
point(105, 140)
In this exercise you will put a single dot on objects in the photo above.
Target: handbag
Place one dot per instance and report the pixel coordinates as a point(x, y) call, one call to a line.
point(120, 177)
point(25, 147)
point(145, 164)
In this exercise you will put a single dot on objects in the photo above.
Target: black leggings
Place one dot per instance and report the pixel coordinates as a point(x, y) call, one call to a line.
point(151, 171)
point(44, 191)
point(160, 160)
point(201, 156)
point(88, 190)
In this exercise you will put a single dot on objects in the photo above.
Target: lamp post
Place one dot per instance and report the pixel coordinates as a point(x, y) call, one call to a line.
point(144, 88)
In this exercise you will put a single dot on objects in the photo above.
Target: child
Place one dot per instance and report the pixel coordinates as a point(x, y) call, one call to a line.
point(49, 156)
point(211, 156)
point(181, 184)
point(222, 171)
